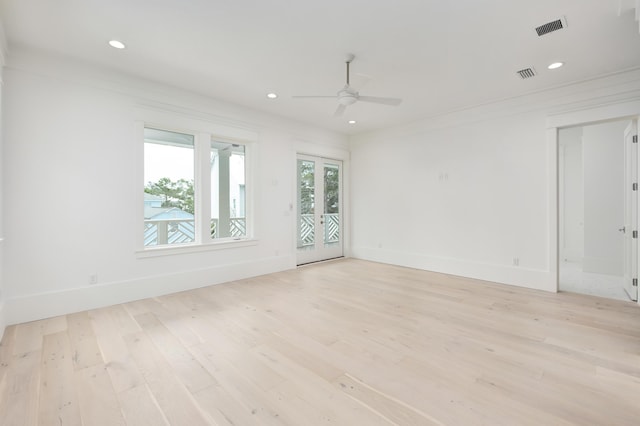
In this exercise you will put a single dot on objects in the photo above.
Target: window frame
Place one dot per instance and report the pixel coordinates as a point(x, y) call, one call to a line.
point(206, 168)
point(204, 133)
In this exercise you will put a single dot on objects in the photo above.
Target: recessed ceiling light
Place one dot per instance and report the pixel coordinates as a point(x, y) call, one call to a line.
point(272, 95)
point(117, 44)
point(555, 65)
point(352, 121)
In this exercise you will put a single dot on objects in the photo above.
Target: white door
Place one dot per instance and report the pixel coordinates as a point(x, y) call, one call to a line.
point(319, 213)
point(630, 226)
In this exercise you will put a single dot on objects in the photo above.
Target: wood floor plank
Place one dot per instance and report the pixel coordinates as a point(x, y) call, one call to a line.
point(392, 409)
point(19, 390)
point(99, 404)
point(122, 369)
point(140, 408)
point(173, 398)
point(315, 389)
point(223, 408)
point(298, 407)
point(6, 350)
point(305, 357)
point(111, 320)
point(28, 338)
point(84, 345)
point(185, 367)
point(254, 405)
point(58, 399)
point(178, 322)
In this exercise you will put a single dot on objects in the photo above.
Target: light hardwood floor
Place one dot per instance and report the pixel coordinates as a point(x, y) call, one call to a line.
point(346, 342)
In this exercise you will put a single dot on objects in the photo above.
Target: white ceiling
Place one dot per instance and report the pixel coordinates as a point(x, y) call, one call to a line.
point(438, 55)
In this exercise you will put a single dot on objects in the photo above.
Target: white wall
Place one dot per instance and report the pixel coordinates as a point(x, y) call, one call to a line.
point(462, 200)
point(71, 195)
point(571, 195)
point(2, 288)
point(603, 159)
point(472, 192)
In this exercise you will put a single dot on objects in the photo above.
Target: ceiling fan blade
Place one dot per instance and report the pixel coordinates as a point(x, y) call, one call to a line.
point(339, 111)
point(377, 100)
point(359, 81)
point(307, 97)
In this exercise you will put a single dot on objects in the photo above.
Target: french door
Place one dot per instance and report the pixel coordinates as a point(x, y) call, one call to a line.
point(319, 213)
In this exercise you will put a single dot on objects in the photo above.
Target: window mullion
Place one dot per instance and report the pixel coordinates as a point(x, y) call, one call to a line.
point(202, 188)
point(250, 156)
point(139, 129)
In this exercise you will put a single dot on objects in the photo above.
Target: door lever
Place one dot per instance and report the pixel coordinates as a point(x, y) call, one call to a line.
point(623, 229)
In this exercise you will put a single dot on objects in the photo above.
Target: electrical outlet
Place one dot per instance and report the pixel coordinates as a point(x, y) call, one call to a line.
point(516, 261)
point(93, 279)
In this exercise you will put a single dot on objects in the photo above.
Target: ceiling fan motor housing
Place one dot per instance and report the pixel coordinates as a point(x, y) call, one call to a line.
point(347, 96)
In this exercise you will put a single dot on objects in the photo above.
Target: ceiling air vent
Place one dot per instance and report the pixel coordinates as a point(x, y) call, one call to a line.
point(526, 73)
point(552, 26)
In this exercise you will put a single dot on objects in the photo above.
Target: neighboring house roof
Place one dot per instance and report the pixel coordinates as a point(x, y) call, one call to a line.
point(153, 209)
point(153, 197)
point(165, 213)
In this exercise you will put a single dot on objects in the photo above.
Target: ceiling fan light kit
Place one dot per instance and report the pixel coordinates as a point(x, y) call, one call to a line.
point(349, 96)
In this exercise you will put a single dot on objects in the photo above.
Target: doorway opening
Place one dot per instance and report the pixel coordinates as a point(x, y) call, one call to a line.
point(597, 200)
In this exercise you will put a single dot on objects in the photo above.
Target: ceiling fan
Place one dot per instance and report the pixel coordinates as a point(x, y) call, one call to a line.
point(349, 96)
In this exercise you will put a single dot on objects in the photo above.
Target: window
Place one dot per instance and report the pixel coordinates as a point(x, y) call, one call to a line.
point(194, 189)
point(227, 190)
point(169, 214)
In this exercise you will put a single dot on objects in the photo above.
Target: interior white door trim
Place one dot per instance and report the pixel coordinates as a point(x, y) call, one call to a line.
point(336, 153)
point(627, 110)
point(631, 212)
point(326, 226)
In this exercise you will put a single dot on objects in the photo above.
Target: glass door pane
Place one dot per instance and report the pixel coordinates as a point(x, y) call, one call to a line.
point(306, 204)
point(331, 217)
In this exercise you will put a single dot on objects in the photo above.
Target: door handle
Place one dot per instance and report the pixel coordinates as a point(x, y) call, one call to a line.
point(623, 229)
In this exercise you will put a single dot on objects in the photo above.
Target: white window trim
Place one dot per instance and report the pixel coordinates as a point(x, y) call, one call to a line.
point(175, 249)
point(204, 131)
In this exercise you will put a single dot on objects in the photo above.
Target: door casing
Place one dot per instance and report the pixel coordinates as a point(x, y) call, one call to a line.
point(320, 251)
point(621, 111)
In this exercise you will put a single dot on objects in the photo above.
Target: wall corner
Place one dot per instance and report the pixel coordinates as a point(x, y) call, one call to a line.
point(3, 58)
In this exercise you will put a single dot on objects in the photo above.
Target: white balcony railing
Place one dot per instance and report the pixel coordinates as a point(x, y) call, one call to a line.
point(180, 231)
point(331, 229)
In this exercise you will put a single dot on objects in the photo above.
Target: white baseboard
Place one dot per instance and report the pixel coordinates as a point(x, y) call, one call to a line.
point(511, 275)
point(46, 305)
